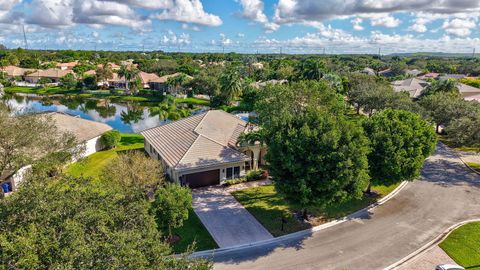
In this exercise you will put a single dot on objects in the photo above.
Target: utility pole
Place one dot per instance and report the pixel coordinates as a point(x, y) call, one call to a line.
point(324, 51)
point(25, 37)
point(473, 53)
point(379, 53)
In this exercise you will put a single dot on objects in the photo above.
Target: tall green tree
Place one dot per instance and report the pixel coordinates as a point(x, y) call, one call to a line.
point(103, 73)
point(444, 107)
point(83, 224)
point(441, 86)
point(171, 206)
point(130, 74)
point(315, 155)
point(465, 131)
point(400, 142)
point(230, 84)
point(68, 82)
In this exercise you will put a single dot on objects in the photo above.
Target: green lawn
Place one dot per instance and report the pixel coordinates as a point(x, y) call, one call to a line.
point(193, 231)
point(39, 90)
point(193, 101)
point(463, 245)
point(268, 207)
point(92, 165)
point(474, 166)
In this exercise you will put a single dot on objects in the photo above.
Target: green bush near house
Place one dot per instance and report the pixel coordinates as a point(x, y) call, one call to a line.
point(254, 175)
point(111, 139)
point(463, 245)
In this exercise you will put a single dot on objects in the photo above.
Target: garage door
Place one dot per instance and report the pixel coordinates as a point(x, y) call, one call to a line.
point(203, 179)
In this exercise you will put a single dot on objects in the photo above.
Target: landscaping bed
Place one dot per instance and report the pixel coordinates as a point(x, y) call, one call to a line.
point(463, 245)
point(268, 207)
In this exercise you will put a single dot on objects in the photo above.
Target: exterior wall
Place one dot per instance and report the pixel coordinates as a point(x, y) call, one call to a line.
point(221, 167)
point(92, 146)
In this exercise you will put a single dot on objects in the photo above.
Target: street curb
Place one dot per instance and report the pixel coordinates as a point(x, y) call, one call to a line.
point(429, 245)
point(211, 252)
point(461, 159)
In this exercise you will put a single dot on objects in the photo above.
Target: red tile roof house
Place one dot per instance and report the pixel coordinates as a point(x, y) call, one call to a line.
point(203, 149)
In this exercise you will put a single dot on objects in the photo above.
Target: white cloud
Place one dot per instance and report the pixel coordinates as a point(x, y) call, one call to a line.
point(254, 10)
point(171, 38)
point(299, 11)
point(189, 11)
point(224, 40)
point(459, 27)
point(186, 26)
point(357, 24)
point(385, 21)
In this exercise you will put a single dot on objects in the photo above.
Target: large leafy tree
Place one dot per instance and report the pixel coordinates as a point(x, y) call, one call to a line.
point(315, 155)
point(68, 82)
point(83, 224)
point(400, 141)
point(103, 73)
point(366, 92)
point(171, 206)
point(134, 170)
point(465, 131)
point(444, 107)
point(27, 138)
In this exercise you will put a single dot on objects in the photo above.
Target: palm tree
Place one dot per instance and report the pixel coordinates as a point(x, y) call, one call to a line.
point(231, 85)
point(103, 73)
point(129, 74)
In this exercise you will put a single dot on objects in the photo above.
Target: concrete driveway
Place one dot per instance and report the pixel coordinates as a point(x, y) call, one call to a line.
point(447, 193)
point(229, 223)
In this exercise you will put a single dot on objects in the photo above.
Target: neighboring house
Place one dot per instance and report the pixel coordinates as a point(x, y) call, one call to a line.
point(202, 149)
point(54, 74)
point(146, 78)
point(257, 66)
point(261, 84)
point(67, 66)
point(160, 83)
point(113, 66)
point(452, 76)
point(14, 72)
point(86, 132)
point(431, 75)
point(469, 92)
point(386, 73)
point(413, 86)
point(413, 72)
point(368, 71)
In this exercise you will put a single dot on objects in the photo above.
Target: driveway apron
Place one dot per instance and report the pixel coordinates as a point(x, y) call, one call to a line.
point(229, 223)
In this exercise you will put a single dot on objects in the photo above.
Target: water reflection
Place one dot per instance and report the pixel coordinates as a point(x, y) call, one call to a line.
point(127, 118)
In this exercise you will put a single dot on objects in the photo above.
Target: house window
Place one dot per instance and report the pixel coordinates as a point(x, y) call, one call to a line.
point(229, 173)
point(151, 149)
point(233, 172)
point(236, 172)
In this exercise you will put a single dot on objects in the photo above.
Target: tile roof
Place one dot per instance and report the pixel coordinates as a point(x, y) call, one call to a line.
point(197, 141)
point(165, 78)
point(49, 73)
point(413, 86)
point(82, 129)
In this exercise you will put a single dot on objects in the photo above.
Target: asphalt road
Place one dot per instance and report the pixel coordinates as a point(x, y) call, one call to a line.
point(447, 193)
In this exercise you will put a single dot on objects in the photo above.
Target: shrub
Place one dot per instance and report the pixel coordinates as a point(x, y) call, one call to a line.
point(235, 181)
point(110, 139)
point(254, 175)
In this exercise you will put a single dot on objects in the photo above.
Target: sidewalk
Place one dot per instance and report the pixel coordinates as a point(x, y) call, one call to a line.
point(428, 260)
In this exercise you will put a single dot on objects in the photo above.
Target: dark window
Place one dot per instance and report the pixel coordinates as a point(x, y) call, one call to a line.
point(229, 173)
point(236, 172)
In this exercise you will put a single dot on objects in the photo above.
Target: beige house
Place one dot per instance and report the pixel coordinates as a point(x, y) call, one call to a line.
point(469, 92)
point(54, 74)
point(203, 149)
point(161, 83)
point(14, 71)
point(86, 132)
point(413, 86)
point(67, 66)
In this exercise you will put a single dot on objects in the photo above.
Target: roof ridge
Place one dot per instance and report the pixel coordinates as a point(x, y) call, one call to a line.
point(166, 124)
point(188, 150)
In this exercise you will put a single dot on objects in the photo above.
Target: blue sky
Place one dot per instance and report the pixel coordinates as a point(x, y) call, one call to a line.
point(246, 26)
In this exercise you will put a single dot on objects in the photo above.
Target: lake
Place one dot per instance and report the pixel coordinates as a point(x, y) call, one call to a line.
point(128, 117)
